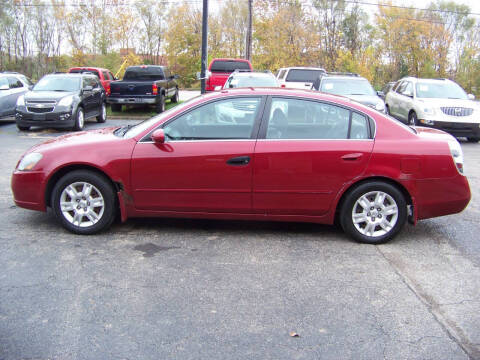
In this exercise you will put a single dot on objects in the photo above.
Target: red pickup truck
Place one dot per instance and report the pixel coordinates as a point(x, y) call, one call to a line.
point(104, 75)
point(220, 70)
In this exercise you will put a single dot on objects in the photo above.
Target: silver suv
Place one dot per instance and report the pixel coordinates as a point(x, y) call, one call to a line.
point(437, 103)
point(12, 85)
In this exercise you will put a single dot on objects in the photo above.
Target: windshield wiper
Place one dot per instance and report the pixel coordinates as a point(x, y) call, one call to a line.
point(124, 129)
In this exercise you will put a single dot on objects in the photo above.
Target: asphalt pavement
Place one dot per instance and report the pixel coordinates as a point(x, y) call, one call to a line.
point(199, 289)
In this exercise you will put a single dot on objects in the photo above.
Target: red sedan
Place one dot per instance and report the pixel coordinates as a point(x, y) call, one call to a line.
point(251, 154)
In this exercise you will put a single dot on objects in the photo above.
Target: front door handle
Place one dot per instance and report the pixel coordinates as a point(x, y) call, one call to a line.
point(238, 161)
point(352, 157)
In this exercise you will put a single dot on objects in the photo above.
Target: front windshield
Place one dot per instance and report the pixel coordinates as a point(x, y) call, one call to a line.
point(253, 81)
point(55, 83)
point(144, 125)
point(440, 90)
point(347, 87)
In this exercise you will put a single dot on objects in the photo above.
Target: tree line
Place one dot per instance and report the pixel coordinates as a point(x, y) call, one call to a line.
point(383, 42)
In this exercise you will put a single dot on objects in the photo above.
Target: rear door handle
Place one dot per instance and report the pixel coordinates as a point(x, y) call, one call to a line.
point(352, 157)
point(238, 161)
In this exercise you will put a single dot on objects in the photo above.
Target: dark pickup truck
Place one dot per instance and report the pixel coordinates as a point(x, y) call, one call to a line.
point(144, 84)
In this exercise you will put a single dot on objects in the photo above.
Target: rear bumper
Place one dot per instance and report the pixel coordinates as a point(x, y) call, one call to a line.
point(439, 197)
point(131, 100)
point(456, 129)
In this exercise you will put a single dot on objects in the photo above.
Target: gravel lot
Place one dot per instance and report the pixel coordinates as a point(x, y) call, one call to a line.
point(191, 289)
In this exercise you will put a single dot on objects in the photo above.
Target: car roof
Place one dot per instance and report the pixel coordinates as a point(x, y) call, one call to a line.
point(302, 68)
point(87, 68)
point(432, 80)
point(69, 75)
point(230, 59)
point(344, 77)
point(251, 74)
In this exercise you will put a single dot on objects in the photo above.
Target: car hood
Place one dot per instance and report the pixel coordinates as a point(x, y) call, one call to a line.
point(437, 103)
point(92, 137)
point(46, 95)
point(369, 100)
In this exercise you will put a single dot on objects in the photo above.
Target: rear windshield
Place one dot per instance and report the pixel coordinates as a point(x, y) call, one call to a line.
point(229, 66)
point(303, 75)
point(83, 71)
point(144, 74)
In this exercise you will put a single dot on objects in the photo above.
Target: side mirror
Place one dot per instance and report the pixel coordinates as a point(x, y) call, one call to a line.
point(4, 87)
point(381, 94)
point(471, 97)
point(408, 93)
point(30, 87)
point(88, 88)
point(158, 136)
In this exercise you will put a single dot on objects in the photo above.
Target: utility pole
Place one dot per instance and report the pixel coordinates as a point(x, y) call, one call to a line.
point(248, 50)
point(203, 72)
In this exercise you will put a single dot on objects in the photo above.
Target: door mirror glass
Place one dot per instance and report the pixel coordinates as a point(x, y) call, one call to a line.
point(158, 136)
point(381, 94)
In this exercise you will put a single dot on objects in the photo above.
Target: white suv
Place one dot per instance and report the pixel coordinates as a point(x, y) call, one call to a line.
point(437, 103)
point(298, 77)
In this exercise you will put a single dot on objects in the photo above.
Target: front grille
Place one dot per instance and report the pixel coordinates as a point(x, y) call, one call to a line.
point(457, 111)
point(49, 102)
point(41, 110)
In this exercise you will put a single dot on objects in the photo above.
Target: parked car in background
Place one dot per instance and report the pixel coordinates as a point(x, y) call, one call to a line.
point(386, 88)
point(248, 78)
point(298, 77)
point(62, 101)
point(273, 159)
point(104, 75)
point(220, 69)
point(436, 103)
point(12, 85)
point(144, 85)
point(350, 85)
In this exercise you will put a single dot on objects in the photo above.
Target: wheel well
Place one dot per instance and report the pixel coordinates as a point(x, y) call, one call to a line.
point(61, 172)
point(399, 186)
point(410, 112)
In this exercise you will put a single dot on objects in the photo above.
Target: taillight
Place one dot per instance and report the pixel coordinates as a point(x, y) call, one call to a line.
point(283, 85)
point(108, 90)
point(154, 89)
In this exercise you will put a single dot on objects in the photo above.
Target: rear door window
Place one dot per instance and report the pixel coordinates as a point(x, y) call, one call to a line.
point(303, 75)
point(229, 66)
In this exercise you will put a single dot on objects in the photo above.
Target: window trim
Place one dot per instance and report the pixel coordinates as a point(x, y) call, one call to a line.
point(147, 138)
point(262, 134)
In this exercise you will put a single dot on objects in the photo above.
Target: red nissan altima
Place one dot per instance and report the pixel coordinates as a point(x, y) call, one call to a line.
point(251, 154)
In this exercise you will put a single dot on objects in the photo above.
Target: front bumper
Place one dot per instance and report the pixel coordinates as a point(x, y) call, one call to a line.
point(28, 189)
point(58, 118)
point(457, 129)
point(131, 100)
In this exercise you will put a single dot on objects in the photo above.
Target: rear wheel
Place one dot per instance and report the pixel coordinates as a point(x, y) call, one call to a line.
point(412, 118)
point(102, 117)
point(160, 105)
point(387, 110)
point(116, 107)
point(175, 97)
point(373, 212)
point(84, 202)
point(473, 139)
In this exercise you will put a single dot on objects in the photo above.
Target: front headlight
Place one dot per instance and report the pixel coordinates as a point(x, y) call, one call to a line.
point(29, 161)
point(66, 101)
point(429, 111)
point(380, 106)
point(21, 100)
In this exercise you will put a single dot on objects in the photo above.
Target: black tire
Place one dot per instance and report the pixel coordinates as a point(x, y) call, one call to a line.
point(102, 117)
point(369, 189)
point(160, 105)
point(116, 107)
point(412, 118)
point(387, 110)
point(101, 186)
point(175, 97)
point(473, 139)
point(79, 123)
point(23, 128)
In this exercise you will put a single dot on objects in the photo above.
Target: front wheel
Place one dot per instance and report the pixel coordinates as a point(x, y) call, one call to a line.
point(412, 119)
point(373, 212)
point(84, 202)
point(79, 120)
point(102, 117)
point(175, 97)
